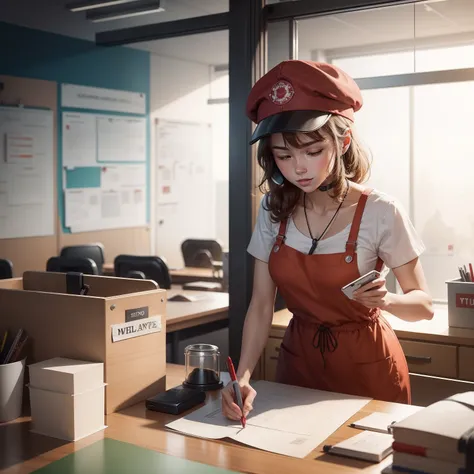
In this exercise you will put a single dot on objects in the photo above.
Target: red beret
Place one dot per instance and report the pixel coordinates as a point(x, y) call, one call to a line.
point(300, 96)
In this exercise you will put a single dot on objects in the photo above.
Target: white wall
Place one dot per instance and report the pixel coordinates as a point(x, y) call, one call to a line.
point(180, 91)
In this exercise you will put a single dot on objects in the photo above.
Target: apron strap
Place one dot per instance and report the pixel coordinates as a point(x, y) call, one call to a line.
point(351, 243)
point(281, 237)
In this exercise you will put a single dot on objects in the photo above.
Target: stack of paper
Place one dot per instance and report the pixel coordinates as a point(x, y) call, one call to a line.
point(368, 445)
point(286, 419)
point(383, 422)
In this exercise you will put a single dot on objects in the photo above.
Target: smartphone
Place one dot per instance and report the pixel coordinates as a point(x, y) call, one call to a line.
point(175, 400)
point(349, 289)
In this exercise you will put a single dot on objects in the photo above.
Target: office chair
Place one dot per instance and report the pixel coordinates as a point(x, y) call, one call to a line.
point(201, 252)
point(6, 269)
point(70, 264)
point(92, 251)
point(151, 267)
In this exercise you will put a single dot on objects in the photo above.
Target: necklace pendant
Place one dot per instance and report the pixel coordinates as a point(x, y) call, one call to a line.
point(313, 247)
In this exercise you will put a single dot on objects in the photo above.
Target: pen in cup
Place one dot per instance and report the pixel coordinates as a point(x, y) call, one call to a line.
point(236, 386)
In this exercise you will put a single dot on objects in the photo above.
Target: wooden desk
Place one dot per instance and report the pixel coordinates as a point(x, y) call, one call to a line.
point(207, 313)
point(211, 306)
point(439, 357)
point(22, 452)
point(181, 275)
point(189, 274)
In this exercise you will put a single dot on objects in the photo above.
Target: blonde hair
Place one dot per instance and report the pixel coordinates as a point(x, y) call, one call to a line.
point(354, 165)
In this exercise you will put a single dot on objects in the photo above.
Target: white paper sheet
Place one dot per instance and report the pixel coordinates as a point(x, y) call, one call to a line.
point(82, 207)
point(381, 422)
point(20, 148)
point(98, 98)
point(123, 176)
point(286, 419)
point(3, 203)
point(24, 185)
point(92, 208)
point(121, 139)
point(26, 172)
point(79, 139)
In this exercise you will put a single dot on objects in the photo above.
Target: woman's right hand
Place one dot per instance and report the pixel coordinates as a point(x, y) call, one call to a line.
point(230, 408)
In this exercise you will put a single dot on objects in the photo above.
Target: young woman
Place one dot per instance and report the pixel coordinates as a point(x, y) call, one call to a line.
point(318, 229)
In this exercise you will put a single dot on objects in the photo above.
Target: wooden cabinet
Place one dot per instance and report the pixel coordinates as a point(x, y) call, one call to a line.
point(466, 363)
point(426, 389)
point(271, 357)
point(431, 359)
point(441, 361)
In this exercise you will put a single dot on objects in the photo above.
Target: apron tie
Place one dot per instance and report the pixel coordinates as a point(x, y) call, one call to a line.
point(326, 341)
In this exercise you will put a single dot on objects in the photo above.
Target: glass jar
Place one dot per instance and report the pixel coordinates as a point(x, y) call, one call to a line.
point(202, 367)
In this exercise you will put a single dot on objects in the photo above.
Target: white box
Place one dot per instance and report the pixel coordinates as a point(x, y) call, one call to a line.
point(68, 376)
point(460, 303)
point(67, 416)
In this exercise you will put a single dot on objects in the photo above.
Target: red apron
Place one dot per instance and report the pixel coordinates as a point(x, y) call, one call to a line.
point(333, 343)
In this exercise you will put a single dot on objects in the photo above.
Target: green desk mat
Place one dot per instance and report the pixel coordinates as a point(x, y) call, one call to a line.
point(109, 456)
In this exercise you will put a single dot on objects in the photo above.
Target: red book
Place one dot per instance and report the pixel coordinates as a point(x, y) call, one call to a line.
point(453, 457)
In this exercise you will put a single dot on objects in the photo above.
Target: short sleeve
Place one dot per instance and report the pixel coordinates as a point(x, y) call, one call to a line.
point(263, 235)
point(399, 242)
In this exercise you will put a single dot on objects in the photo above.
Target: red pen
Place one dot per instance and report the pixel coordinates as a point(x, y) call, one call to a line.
point(471, 272)
point(236, 386)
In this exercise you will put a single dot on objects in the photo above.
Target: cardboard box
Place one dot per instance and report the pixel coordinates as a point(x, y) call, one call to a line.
point(67, 416)
point(121, 322)
point(460, 303)
point(64, 375)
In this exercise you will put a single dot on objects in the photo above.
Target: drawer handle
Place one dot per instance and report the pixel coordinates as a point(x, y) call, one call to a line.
point(423, 359)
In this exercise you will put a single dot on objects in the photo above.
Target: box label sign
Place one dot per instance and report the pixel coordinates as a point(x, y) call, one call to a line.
point(136, 328)
point(136, 313)
point(465, 300)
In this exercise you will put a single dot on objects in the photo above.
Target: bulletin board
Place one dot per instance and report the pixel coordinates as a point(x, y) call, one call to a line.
point(103, 162)
point(31, 251)
point(103, 169)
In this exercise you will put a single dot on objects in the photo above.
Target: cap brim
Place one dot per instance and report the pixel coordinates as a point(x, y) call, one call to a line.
point(293, 121)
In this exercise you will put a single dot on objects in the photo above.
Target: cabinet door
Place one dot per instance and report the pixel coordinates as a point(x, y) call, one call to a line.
point(272, 350)
point(426, 390)
point(466, 363)
point(430, 358)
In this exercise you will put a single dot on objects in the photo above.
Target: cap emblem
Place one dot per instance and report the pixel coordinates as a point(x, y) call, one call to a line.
point(282, 92)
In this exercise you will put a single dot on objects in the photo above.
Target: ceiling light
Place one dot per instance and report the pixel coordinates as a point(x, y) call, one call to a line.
point(90, 4)
point(138, 7)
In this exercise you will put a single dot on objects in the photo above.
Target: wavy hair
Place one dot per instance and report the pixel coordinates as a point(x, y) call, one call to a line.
point(354, 165)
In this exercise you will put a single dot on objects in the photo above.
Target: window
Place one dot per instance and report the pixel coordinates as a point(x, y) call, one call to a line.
point(418, 133)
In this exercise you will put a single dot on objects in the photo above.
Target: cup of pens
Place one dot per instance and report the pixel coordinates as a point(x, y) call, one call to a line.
point(466, 273)
point(13, 346)
point(11, 390)
point(461, 298)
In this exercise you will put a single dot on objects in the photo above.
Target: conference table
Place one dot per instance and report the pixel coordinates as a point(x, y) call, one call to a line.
point(22, 451)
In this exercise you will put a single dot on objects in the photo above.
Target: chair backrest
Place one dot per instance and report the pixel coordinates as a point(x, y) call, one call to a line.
point(152, 267)
point(201, 252)
point(6, 269)
point(71, 264)
point(92, 251)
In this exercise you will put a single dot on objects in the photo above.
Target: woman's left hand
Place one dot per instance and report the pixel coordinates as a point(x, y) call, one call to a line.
point(373, 294)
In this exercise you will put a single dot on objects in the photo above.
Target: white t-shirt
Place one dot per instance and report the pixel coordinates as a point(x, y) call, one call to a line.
point(385, 231)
